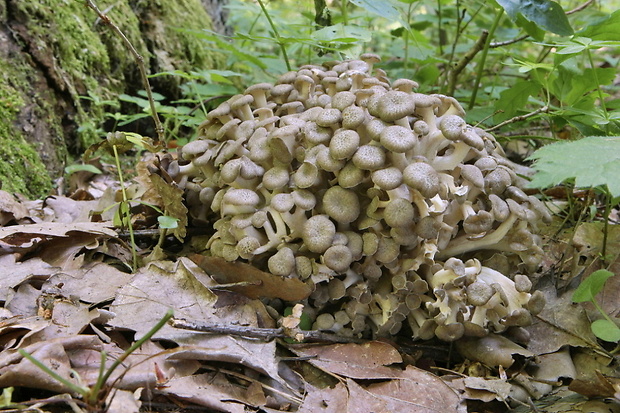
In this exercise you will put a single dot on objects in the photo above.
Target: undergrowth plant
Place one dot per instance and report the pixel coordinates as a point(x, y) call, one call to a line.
point(95, 397)
point(605, 328)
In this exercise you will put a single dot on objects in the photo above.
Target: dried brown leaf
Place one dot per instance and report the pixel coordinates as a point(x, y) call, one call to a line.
point(172, 201)
point(264, 284)
point(24, 238)
point(414, 390)
point(257, 355)
point(162, 285)
point(15, 273)
point(67, 210)
point(26, 374)
point(328, 399)
point(92, 284)
point(11, 209)
point(493, 350)
point(213, 391)
point(560, 323)
point(358, 361)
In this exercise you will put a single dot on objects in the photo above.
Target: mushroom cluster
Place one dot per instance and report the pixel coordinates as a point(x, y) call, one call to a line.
point(382, 198)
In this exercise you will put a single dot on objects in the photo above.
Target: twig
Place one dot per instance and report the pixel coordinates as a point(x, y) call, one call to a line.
point(508, 42)
point(265, 334)
point(518, 118)
point(159, 129)
point(579, 8)
point(465, 61)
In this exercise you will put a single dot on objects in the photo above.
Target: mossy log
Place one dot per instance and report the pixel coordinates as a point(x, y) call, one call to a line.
point(59, 62)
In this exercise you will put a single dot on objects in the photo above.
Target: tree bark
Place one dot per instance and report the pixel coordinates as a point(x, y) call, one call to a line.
point(60, 65)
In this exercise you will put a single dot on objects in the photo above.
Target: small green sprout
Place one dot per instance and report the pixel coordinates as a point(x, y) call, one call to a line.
point(605, 329)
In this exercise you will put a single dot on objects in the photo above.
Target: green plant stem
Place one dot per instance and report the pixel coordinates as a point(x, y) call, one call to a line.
point(608, 200)
point(94, 392)
point(124, 204)
point(82, 391)
point(598, 88)
point(102, 380)
point(600, 310)
point(483, 58)
point(344, 12)
point(276, 34)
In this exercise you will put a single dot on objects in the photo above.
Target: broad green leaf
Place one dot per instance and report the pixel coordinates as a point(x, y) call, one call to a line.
point(591, 286)
point(547, 14)
point(82, 168)
point(381, 8)
point(342, 33)
point(607, 28)
point(167, 222)
point(592, 161)
point(514, 99)
point(606, 330)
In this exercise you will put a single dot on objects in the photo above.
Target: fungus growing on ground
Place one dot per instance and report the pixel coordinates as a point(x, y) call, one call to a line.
point(383, 199)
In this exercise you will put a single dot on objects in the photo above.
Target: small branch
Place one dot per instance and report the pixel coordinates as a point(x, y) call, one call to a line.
point(265, 334)
point(579, 8)
point(139, 60)
point(518, 118)
point(508, 42)
point(469, 56)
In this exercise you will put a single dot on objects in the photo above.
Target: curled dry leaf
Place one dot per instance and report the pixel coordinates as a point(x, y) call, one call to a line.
point(493, 350)
point(261, 283)
point(11, 209)
point(24, 238)
point(358, 361)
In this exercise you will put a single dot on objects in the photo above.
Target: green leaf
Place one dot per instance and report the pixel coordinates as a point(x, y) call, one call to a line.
point(167, 222)
point(607, 28)
point(341, 33)
point(591, 286)
point(606, 330)
point(381, 8)
point(547, 14)
point(82, 168)
point(514, 99)
point(592, 161)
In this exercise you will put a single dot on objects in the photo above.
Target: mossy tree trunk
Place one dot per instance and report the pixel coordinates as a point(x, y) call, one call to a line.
point(59, 65)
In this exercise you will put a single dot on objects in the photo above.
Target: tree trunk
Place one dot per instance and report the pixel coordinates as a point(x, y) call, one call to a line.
point(59, 65)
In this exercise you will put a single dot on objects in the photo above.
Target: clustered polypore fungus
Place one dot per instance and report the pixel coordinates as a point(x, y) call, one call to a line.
point(380, 197)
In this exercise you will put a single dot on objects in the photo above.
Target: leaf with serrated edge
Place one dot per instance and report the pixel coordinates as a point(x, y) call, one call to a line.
point(592, 161)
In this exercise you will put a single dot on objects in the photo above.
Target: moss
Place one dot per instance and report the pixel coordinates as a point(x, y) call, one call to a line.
point(75, 63)
point(21, 168)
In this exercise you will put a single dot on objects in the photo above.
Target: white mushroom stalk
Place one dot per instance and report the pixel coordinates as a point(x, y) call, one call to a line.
point(369, 192)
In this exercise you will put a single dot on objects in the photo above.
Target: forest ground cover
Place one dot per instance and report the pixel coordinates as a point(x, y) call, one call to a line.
point(78, 293)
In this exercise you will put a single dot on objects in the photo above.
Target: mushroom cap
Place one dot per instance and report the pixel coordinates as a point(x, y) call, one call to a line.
point(338, 258)
point(423, 178)
point(387, 178)
point(318, 233)
point(343, 144)
point(341, 204)
point(397, 139)
point(369, 157)
point(394, 105)
point(399, 213)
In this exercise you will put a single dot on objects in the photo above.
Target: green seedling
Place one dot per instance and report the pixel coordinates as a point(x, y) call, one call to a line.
point(605, 329)
point(96, 395)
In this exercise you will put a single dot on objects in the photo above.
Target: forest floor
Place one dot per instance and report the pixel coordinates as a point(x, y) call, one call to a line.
point(70, 296)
